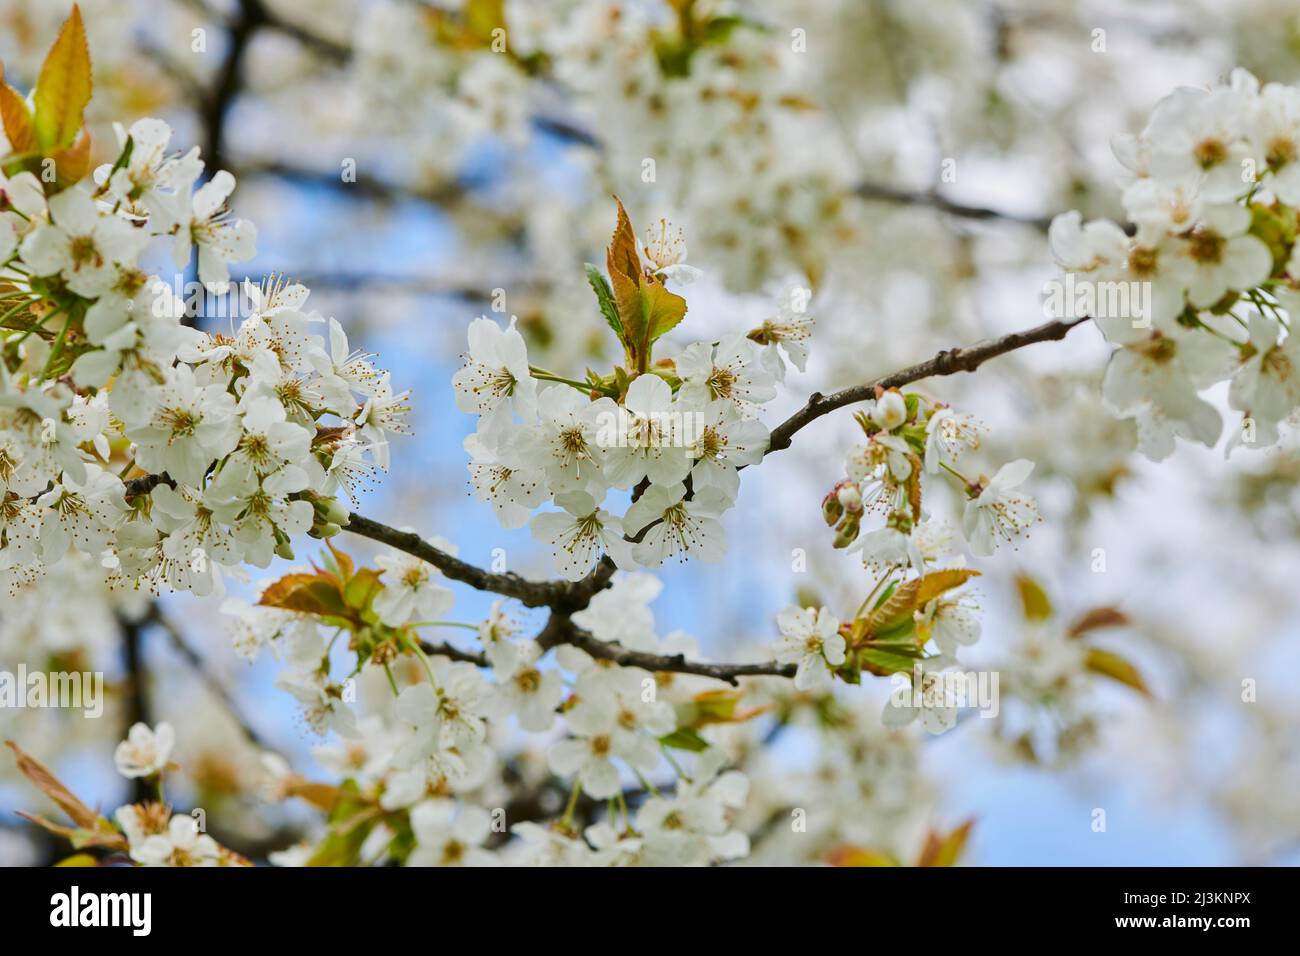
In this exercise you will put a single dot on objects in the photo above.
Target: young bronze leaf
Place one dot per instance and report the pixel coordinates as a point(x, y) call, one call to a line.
point(1096, 619)
point(945, 850)
point(309, 593)
point(914, 486)
point(323, 796)
point(623, 262)
point(18, 126)
point(849, 855)
point(63, 88)
point(342, 560)
point(646, 310)
point(72, 162)
point(52, 787)
point(1110, 664)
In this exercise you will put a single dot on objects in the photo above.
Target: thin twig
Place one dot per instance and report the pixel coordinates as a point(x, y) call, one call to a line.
point(947, 362)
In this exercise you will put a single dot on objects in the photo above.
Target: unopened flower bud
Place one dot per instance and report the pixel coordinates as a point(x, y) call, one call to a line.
point(847, 530)
point(332, 510)
point(890, 410)
point(850, 496)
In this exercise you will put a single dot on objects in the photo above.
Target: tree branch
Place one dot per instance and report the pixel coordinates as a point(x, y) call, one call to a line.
point(560, 629)
point(455, 653)
point(528, 593)
point(947, 362)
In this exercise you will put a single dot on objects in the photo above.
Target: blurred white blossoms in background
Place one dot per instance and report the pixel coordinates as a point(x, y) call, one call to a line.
point(1212, 193)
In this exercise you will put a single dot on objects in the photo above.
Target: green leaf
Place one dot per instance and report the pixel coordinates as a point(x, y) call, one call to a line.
point(896, 610)
point(897, 659)
point(605, 297)
point(343, 848)
point(685, 738)
point(937, 582)
point(362, 588)
point(63, 88)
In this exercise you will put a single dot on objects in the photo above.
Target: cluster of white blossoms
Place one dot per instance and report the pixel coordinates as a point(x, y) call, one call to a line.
point(133, 442)
point(425, 756)
point(914, 554)
point(1212, 192)
point(674, 433)
point(237, 440)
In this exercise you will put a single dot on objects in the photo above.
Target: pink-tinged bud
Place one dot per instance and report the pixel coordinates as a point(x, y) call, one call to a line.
point(847, 530)
point(850, 496)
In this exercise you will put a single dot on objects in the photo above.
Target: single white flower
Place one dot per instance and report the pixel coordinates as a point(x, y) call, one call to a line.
point(181, 845)
point(721, 442)
point(496, 378)
point(933, 702)
point(145, 751)
point(889, 410)
point(665, 248)
point(203, 220)
point(530, 692)
point(1220, 255)
point(564, 442)
point(187, 428)
point(676, 528)
point(734, 371)
point(811, 639)
point(411, 592)
point(948, 434)
point(999, 512)
point(640, 438)
point(580, 534)
point(789, 330)
point(82, 244)
point(447, 836)
point(1266, 384)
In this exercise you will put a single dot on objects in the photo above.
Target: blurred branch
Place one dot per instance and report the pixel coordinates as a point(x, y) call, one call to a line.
point(876, 192)
point(136, 709)
point(455, 653)
point(200, 667)
point(414, 285)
